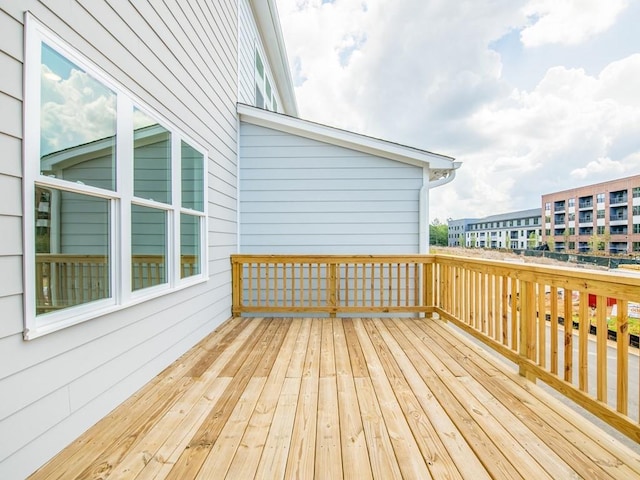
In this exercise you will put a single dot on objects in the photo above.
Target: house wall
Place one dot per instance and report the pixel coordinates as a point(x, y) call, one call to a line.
point(304, 196)
point(181, 59)
point(248, 41)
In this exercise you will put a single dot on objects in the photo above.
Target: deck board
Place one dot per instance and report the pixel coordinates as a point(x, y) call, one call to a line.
point(341, 398)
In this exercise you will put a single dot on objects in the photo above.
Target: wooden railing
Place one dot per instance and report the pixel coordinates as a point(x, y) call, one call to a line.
point(64, 280)
point(524, 312)
point(553, 323)
point(331, 284)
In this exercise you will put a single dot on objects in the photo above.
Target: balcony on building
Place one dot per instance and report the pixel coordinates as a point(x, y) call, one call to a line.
point(618, 215)
point(343, 365)
point(618, 248)
point(585, 202)
point(618, 197)
point(585, 219)
point(559, 206)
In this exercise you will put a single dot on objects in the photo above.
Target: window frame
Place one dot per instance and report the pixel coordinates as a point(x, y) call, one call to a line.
point(120, 200)
point(262, 81)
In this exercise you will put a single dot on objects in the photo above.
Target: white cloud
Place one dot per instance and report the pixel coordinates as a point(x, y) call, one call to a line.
point(618, 81)
point(568, 22)
point(75, 110)
point(422, 72)
point(603, 165)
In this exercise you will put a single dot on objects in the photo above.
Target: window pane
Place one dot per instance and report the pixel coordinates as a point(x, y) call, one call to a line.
point(151, 159)
point(192, 178)
point(259, 65)
point(189, 245)
point(77, 124)
point(148, 247)
point(72, 249)
point(259, 97)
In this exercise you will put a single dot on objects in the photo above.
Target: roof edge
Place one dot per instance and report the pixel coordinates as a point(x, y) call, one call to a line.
point(345, 138)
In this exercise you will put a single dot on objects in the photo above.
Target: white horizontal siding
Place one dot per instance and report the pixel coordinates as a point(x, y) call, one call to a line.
point(180, 58)
point(304, 196)
point(246, 54)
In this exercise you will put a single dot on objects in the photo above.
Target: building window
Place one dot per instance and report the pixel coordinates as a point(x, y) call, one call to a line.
point(116, 194)
point(265, 96)
point(572, 202)
point(636, 210)
point(600, 198)
point(636, 192)
point(600, 230)
point(600, 213)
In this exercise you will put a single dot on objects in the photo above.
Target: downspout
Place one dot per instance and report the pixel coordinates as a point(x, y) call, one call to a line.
point(424, 202)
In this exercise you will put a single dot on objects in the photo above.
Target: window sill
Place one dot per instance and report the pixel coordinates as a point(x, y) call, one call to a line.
point(53, 322)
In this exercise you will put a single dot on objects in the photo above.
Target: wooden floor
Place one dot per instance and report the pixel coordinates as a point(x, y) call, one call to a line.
point(341, 398)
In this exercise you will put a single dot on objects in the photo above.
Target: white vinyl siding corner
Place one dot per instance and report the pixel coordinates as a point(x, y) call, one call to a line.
point(304, 196)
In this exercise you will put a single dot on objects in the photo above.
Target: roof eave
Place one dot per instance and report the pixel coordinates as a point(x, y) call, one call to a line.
point(344, 138)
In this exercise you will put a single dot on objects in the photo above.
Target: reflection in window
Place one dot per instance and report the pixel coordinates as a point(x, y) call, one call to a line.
point(189, 245)
point(77, 124)
point(151, 159)
point(148, 247)
point(72, 249)
point(192, 178)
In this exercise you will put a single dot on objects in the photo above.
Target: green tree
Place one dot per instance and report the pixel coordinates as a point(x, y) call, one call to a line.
point(438, 233)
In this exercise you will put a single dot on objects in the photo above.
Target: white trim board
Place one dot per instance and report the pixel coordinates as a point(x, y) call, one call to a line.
point(344, 138)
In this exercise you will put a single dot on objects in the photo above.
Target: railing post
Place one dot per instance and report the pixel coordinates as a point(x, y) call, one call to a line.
point(332, 289)
point(236, 287)
point(428, 285)
point(526, 347)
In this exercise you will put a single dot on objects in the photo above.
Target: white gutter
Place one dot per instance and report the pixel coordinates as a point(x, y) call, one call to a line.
point(443, 180)
point(423, 209)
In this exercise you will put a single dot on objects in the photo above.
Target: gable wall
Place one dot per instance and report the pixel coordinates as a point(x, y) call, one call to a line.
point(305, 196)
point(181, 59)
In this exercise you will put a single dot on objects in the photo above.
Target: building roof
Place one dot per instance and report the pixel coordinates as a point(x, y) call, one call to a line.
point(532, 212)
point(441, 166)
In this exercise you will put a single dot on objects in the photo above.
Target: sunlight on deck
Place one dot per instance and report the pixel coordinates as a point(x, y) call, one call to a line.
point(341, 398)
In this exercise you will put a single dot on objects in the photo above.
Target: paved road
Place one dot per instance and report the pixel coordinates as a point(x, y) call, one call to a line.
point(612, 360)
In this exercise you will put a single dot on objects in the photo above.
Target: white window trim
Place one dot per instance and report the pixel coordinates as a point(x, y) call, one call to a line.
point(120, 200)
point(260, 82)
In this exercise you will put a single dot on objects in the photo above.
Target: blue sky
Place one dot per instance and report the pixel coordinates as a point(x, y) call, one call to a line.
point(533, 96)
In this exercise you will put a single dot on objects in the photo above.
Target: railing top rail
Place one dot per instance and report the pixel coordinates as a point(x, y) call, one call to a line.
point(517, 269)
point(331, 259)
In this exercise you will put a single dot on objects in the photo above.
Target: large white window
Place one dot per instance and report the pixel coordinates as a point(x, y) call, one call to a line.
point(114, 194)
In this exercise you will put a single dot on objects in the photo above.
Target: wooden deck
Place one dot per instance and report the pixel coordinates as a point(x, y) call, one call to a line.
point(341, 398)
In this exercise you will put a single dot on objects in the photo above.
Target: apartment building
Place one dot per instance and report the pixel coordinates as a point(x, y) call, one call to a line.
point(603, 216)
point(457, 230)
point(514, 230)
